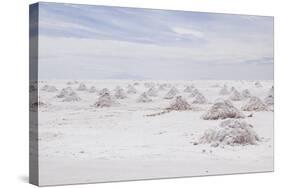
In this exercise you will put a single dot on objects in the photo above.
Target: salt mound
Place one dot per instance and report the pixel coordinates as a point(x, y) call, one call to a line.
point(222, 109)
point(70, 83)
point(258, 84)
point(271, 91)
point(149, 84)
point(136, 84)
point(93, 89)
point(152, 92)
point(104, 101)
point(162, 87)
point(103, 91)
point(71, 97)
point(143, 98)
point(49, 88)
point(179, 104)
point(194, 93)
point(230, 132)
point(64, 92)
point(120, 93)
point(82, 87)
point(235, 95)
point(131, 89)
point(246, 93)
point(254, 104)
point(171, 93)
point(215, 85)
point(269, 99)
point(224, 90)
point(199, 99)
point(188, 89)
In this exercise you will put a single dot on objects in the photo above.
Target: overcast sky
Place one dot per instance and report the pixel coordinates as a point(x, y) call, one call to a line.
point(99, 42)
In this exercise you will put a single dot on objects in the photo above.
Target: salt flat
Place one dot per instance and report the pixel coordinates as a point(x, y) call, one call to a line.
point(80, 142)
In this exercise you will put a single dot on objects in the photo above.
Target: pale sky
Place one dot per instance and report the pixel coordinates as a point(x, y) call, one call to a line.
point(101, 42)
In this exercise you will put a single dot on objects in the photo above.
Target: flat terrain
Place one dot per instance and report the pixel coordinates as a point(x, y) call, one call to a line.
point(79, 143)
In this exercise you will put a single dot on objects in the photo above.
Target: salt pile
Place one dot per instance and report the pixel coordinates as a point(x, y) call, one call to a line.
point(258, 84)
point(131, 89)
point(120, 93)
point(82, 87)
point(230, 132)
point(104, 100)
point(222, 109)
point(246, 93)
point(194, 93)
point(171, 93)
point(271, 91)
point(152, 92)
point(188, 89)
point(64, 92)
point(199, 99)
point(162, 87)
point(93, 89)
point(254, 104)
point(179, 104)
point(215, 85)
point(235, 95)
point(224, 90)
point(49, 88)
point(71, 97)
point(104, 91)
point(143, 98)
point(269, 99)
point(70, 83)
point(149, 84)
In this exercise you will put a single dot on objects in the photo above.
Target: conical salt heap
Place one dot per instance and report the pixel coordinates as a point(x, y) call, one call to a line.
point(70, 83)
point(224, 90)
point(254, 104)
point(93, 89)
point(131, 90)
point(246, 93)
point(258, 84)
point(143, 98)
point(199, 99)
point(49, 88)
point(179, 104)
point(194, 93)
point(269, 99)
point(103, 91)
point(235, 95)
point(71, 97)
point(188, 89)
point(162, 87)
point(120, 93)
point(230, 132)
point(136, 84)
point(64, 92)
point(104, 100)
point(171, 93)
point(215, 85)
point(152, 92)
point(222, 109)
point(82, 87)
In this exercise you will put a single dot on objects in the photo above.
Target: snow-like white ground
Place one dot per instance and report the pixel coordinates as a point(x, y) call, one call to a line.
point(79, 143)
